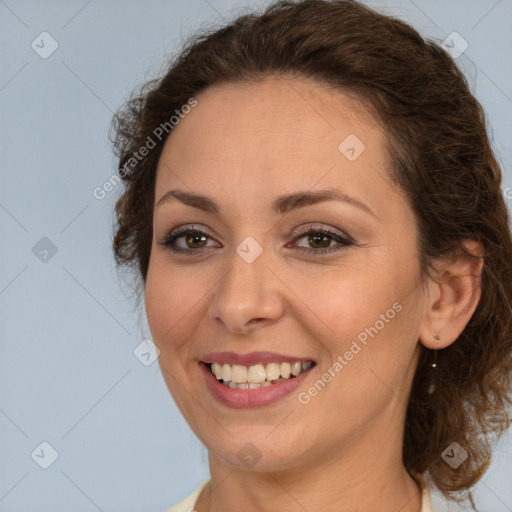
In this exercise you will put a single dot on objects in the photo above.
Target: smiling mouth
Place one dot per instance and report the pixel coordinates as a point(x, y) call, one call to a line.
point(257, 376)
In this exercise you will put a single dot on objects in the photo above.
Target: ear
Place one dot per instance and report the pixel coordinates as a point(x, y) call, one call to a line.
point(453, 292)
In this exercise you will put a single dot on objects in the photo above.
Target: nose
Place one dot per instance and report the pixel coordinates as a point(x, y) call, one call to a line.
point(248, 297)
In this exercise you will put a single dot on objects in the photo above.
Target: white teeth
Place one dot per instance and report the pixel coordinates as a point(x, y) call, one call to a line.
point(272, 371)
point(226, 372)
point(296, 367)
point(217, 370)
point(238, 373)
point(256, 374)
point(259, 375)
point(285, 370)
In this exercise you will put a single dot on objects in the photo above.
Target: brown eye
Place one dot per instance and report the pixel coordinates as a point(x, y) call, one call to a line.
point(195, 238)
point(187, 239)
point(319, 240)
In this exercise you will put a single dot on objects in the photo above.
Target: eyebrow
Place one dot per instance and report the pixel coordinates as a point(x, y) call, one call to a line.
point(283, 204)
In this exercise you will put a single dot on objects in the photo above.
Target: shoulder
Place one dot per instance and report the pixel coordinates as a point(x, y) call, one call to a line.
point(427, 504)
point(187, 504)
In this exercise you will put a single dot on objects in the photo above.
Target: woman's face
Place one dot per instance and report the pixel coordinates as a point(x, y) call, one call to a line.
point(255, 292)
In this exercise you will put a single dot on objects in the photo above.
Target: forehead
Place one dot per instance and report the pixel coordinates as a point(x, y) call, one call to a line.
point(275, 103)
point(272, 116)
point(277, 132)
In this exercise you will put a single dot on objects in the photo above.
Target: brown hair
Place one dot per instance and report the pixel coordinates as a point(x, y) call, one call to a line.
point(442, 160)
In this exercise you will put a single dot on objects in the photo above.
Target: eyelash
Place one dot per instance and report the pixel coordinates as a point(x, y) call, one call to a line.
point(343, 242)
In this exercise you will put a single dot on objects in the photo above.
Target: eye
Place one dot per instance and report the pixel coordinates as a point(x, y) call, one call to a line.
point(192, 238)
point(320, 240)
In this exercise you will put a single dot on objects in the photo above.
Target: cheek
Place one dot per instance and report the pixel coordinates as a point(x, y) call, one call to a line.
point(345, 302)
point(169, 300)
point(169, 303)
point(368, 318)
point(157, 303)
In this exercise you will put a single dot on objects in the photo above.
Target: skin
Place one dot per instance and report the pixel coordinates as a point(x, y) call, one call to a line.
point(243, 146)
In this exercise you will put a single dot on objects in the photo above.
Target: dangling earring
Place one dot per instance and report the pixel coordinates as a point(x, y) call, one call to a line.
point(433, 366)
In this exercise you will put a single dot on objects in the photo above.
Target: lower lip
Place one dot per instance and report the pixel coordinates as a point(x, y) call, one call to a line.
point(245, 398)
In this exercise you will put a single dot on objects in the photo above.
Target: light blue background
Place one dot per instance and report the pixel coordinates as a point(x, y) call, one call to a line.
point(68, 374)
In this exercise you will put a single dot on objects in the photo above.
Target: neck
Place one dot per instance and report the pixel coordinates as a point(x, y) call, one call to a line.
point(348, 481)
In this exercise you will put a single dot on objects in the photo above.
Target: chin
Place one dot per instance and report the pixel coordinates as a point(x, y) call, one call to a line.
point(254, 449)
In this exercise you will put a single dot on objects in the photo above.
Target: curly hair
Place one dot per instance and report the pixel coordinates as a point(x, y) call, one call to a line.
point(442, 160)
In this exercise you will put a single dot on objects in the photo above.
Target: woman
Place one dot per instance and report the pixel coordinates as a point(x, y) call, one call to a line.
point(325, 259)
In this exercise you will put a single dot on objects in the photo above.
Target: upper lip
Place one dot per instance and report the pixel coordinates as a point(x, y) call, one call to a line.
point(251, 358)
